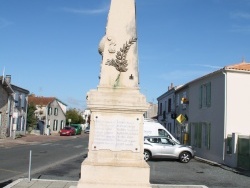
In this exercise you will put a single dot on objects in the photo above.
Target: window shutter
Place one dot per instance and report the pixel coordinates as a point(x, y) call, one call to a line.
point(200, 97)
point(208, 95)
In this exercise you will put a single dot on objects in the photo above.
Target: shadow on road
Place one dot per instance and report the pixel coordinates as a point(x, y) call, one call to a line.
point(3, 184)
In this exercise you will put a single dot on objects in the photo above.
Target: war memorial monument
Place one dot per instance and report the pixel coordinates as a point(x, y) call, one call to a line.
point(115, 152)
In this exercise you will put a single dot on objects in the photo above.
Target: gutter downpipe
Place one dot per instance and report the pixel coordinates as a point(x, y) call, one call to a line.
point(225, 115)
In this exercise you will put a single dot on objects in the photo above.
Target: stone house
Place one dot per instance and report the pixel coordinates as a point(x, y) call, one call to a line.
point(13, 108)
point(217, 110)
point(51, 111)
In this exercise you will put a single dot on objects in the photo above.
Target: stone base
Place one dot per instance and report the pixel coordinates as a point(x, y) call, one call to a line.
point(116, 176)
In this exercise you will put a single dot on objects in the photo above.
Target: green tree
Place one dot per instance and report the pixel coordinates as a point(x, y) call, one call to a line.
point(75, 116)
point(31, 118)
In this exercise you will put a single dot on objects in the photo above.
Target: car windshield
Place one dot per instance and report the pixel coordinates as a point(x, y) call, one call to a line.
point(67, 128)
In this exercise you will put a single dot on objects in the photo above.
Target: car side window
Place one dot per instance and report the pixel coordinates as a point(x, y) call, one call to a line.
point(154, 140)
point(165, 141)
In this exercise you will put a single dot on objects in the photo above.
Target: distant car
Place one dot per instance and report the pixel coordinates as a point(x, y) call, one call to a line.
point(78, 128)
point(163, 147)
point(87, 129)
point(67, 131)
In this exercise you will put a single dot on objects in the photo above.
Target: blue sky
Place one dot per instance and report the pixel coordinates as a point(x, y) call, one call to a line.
point(50, 47)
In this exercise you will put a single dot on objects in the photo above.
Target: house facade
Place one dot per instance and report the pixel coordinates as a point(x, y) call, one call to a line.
point(216, 108)
point(51, 112)
point(152, 111)
point(182, 114)
point(167, 103)
point(218, 105)
point(13, 108)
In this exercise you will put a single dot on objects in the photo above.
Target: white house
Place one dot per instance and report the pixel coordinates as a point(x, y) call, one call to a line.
point(216, 111)
point(218, 115)
point(51, 112)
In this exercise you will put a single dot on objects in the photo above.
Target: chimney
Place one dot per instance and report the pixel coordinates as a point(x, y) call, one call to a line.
point(172, 85)
point(8, 79)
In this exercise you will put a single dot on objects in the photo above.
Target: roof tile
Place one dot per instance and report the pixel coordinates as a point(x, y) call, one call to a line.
point(40, 100)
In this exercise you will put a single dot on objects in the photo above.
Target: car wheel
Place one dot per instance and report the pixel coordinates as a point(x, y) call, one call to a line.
point(185, 157)
point(147, 155)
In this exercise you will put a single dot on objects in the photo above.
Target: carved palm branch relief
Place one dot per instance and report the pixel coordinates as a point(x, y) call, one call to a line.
point(120, 63)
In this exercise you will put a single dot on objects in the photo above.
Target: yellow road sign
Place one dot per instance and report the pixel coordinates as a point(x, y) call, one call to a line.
point(181, 118)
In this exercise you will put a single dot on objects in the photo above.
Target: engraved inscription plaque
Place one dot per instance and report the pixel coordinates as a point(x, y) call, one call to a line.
point(116, 135)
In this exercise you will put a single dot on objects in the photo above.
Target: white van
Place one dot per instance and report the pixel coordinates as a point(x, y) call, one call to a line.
point(154, 128)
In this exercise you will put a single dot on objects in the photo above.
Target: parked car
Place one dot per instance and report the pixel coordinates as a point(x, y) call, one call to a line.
point(152, 127)
point(78, 128)
point(67, 131)
point(87, 129)
point(163, 147)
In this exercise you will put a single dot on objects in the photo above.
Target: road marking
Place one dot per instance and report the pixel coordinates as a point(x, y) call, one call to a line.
point(79, 146)
point(45, 144)
point(10, 171)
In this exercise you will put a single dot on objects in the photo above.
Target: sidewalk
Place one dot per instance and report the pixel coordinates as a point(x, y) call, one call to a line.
point(39, 183)
point(32, 139)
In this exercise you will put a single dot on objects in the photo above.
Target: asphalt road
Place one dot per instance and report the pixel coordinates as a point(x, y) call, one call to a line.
point(62, 160)
point(164, 172)
point(14, 161)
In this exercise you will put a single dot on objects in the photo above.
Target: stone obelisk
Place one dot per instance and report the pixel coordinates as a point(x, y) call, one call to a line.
point(115, 157)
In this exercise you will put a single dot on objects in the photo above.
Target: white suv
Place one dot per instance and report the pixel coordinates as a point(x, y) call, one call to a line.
point(163, 147)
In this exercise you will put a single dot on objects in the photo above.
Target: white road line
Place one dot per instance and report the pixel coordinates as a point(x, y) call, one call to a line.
point(79, 146)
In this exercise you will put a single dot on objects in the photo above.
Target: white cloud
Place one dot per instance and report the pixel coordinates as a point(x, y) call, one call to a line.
point(209, 66)
point(182, 76)
point(86, 11)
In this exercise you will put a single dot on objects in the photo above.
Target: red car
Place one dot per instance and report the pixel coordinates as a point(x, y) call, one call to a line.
point(67, 131)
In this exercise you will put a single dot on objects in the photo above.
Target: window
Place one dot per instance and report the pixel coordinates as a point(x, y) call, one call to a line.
point(62, 124)
point(49, 111)
point(16, 99)
point(165, 141)
point(18, 123)
point(229, 144)
point(160, 108)
point(177, 100)
point(201, 134)
point(207, 132)
point(55, 124)
point(56, 111)
point(169, 105)
point(197, 134)
point(205, 95)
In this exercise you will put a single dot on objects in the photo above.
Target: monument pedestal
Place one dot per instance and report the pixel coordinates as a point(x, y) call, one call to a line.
point(115, 157)
point(113, 176)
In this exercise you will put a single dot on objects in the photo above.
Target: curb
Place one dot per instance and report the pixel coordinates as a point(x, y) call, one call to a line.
point(212, 163)
point(14, 183)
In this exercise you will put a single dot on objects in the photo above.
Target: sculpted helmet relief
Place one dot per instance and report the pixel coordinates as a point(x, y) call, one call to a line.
point(120, 62)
